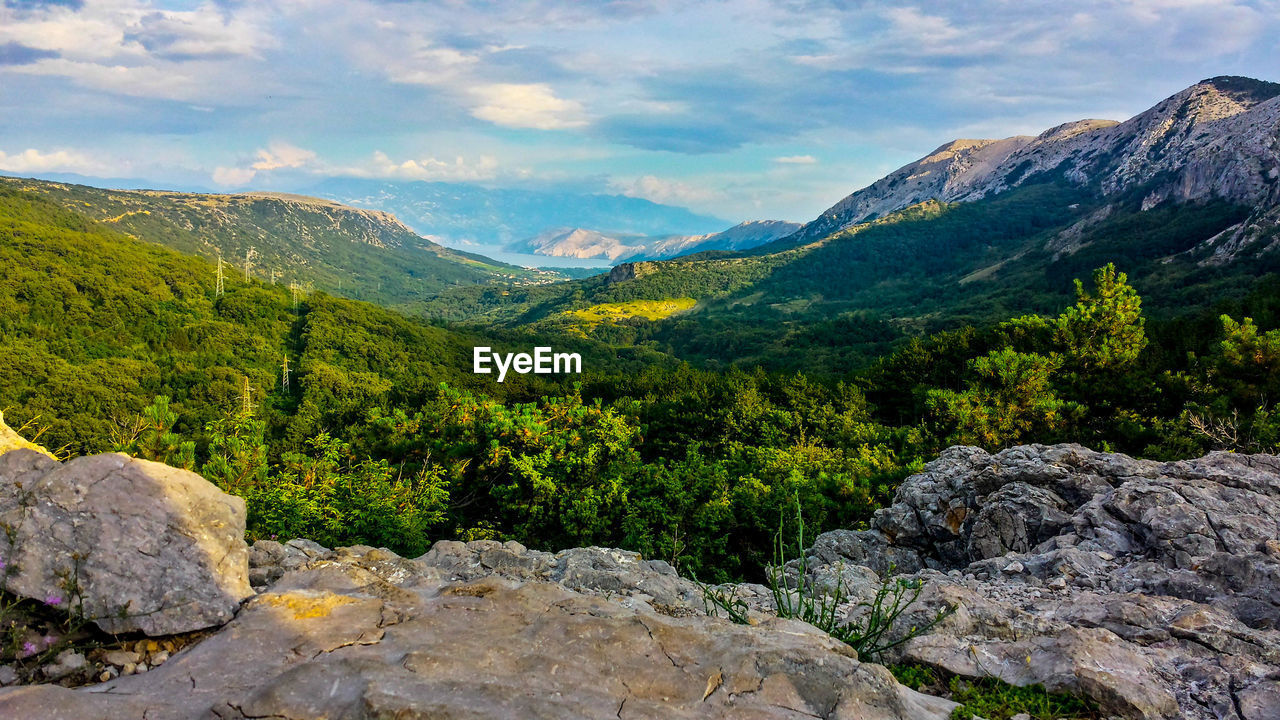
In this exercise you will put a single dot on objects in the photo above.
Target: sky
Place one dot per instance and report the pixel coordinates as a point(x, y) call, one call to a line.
point(744, 109)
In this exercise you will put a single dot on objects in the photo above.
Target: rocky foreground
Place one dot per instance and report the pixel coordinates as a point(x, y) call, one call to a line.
point(1152, 588)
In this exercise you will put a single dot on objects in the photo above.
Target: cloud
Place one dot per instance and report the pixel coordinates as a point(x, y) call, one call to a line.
point(32, 160)
point(282, 155)
point(665, 191)
point(531, 105)
point(796, 160)
point(426, 168)
point(276, 156)
point(208, 31)
point(233, 176)
point(130, 48)
point(15, 53)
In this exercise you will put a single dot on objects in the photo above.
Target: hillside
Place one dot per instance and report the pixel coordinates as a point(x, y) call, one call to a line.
point(96, 323)
point(364, 254)
point(1181, 198)
point(743, 236)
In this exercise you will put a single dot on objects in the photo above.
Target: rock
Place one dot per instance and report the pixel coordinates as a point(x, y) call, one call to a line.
point(1015, 519)
point(137, 545)
point(268, 559)
point(1163, 578)
point(1092, 662)
point(66, 663)
point(597, 571)
point(356, 636)
point(869, 549)
point(120, 658)
point(8, 676)
point(10, 440)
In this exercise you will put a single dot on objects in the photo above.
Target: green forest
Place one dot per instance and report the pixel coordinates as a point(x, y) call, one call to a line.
point(381, 435)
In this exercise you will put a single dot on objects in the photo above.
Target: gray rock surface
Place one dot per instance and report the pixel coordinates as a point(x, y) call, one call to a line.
point(136, 545)
point(1153, 588)
point(362, 633)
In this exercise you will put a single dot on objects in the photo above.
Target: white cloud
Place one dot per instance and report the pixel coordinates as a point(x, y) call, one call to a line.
point(282, 155)
point(129, 47)
point(33, 160)
point(531, 105)
point(233, 176)
point(207, 31)
point(666, 192)
point(796, 160)
point(276, 156)
point(426, 168)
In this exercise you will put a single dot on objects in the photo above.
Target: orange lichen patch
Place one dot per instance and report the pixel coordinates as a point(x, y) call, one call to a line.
point(305, 607)
point(479, 588)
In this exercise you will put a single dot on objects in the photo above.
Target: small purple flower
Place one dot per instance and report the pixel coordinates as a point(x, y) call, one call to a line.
point(49, 640)
point(53, 600)
point(3, 564)
point(29, 648)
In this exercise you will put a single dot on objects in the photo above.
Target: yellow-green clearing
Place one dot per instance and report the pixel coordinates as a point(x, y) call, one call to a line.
point(648, 309)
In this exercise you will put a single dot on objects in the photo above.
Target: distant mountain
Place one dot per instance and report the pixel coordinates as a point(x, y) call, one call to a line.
point(1218, 139)
point(580, 243)
point(742, 236)
point(460, 213)
point(592, 244)
point(364, 254)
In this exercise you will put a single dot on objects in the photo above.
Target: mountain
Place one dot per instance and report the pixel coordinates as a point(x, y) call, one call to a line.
point(1183, 198)
point(1214, 140)
point(461, 213)
point(742, 236)
point(593, 244)
point(365, 254)
point(580, 243)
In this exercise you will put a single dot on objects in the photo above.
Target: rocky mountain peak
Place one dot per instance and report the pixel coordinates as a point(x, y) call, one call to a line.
point(1219, 138)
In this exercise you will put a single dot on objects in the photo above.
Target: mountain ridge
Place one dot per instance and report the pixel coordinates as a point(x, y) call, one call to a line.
point(1219, 138)
point(355, 252)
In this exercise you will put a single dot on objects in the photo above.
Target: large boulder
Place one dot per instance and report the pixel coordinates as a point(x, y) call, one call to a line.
point(361, 633)
point(1153, 588)
point(135, 546)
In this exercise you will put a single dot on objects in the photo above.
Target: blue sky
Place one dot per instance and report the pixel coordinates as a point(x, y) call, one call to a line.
point(745, 109)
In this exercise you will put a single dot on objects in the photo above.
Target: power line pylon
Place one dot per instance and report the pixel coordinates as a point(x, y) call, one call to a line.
point(248, 263)
point(246, 399)
point(284, 374)
point(218, 290)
